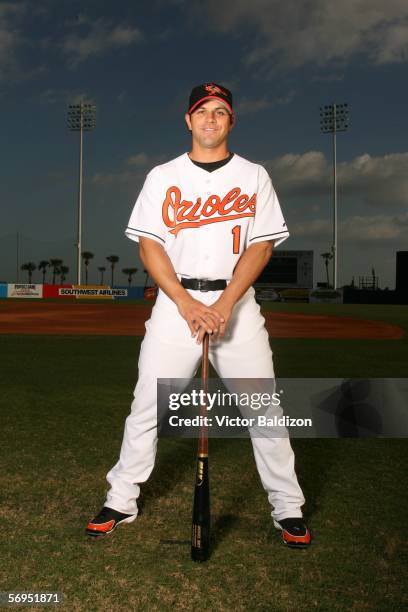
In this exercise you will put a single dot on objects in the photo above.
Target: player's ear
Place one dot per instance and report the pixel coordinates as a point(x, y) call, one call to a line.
point(232, 121)
point(188, 121)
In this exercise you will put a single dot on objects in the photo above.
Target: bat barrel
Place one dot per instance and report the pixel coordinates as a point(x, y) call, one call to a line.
point(200, 534)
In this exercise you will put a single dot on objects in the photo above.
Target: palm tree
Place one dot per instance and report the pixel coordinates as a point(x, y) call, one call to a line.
point(101, 270)
point(87, 256)
point(129, 273)
point(42, 266)
point(55, 263)
point(30, 267)
point(327, 257)
point(113, 260)
point(63, 270)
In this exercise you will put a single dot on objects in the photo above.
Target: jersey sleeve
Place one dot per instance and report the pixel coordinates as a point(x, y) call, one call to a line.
point(146, 220)
point(268, 223)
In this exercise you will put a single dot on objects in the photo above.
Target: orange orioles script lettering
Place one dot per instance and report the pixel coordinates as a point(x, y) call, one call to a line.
point(180, 214)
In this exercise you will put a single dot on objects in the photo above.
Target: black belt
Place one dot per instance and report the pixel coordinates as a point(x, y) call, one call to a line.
point(200, 284)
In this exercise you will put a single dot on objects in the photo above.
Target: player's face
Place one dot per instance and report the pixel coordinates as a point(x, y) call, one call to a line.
point(210, 124)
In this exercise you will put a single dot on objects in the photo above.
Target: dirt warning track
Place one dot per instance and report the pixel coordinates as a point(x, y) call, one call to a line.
point(73, 318)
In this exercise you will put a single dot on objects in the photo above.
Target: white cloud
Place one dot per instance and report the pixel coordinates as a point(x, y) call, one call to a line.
point(11, 38)
point(123, 178)
point(140, 163)
point(121, 97)
point(285, 98)
point(377, 181)
point(9, 42)
point(329, 77)
point(48, 97)
point(15, 39)
point(375, 229)
point(394, 46)
point(300, 173)
point(76, 97)
point(144, 160)
point(378, 228)
point(317, 228)
point(52, 96)
point(140, 159)
point(317, 32)
point(99, 37)
point(247, 106)
point(122, 36)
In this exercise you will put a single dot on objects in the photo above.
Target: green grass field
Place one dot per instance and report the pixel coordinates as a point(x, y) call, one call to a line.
point(62, 405)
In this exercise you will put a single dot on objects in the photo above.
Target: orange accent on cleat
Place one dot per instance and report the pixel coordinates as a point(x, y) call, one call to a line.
point(101, 527)
point(289, 538)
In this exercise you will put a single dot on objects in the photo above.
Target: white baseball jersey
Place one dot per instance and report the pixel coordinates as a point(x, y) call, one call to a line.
point(206, 220)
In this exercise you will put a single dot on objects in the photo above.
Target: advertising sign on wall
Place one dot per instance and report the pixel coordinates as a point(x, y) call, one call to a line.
point(100, 292)
point(52, 291)
point(131, 293)
point(24, 291)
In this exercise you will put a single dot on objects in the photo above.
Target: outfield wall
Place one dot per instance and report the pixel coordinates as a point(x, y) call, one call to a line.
point(53, 291)
point(73, 292)
point(24, 291)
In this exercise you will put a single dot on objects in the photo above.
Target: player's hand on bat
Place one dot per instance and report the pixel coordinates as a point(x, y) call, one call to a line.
point(224, 308)
point(200, 318)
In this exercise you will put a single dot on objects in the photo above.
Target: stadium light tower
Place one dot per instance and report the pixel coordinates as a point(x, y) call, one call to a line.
point(81, 117)
point(334, 118)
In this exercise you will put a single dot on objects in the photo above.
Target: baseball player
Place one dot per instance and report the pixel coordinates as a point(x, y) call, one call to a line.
point(206, 223)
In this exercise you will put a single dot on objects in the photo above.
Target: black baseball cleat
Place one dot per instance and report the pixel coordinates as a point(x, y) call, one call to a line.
point(106, 521)
point(294, 532)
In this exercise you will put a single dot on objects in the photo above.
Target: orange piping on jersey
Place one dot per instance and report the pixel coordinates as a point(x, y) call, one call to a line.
point(179, 214)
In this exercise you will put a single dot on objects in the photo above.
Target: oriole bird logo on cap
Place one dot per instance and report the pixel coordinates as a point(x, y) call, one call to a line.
point(210, 91)
point(214, 89)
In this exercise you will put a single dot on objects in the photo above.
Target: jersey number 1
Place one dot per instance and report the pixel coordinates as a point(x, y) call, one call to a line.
point(236, 232)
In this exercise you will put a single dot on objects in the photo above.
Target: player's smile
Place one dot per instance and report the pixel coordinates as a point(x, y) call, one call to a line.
point(210, 130)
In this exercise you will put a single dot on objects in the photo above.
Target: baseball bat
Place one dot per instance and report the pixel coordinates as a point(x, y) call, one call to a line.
point(200, 533)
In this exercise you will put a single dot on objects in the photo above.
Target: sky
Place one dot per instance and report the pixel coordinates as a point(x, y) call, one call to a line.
point(137, 62)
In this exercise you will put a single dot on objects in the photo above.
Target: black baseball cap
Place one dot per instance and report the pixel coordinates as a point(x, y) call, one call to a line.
point(210, 91)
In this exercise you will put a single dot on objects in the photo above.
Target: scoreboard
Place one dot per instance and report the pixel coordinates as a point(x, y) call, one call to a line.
point(401, 280)
point(287, 269)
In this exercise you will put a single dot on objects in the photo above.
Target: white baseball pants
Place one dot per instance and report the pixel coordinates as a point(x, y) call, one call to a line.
point(169, 351)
